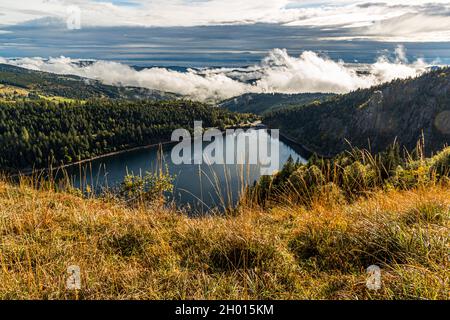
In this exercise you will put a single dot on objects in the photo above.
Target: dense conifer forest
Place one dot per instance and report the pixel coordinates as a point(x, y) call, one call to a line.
point(39, 133)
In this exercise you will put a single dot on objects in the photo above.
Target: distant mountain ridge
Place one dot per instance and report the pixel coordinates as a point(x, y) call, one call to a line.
point(73, 87)
point(402, 110)
point(260, 103)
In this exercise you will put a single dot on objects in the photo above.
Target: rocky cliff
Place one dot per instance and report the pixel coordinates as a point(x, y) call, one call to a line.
point(402, 111)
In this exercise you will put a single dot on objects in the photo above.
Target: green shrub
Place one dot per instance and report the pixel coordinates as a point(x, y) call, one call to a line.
point(147, 189)
point(306, 181)
point(440, 164)
point(351, 175)
point(417, 173)
point(358, 178)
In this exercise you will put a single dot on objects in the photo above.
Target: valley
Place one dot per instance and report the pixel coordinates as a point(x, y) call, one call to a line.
point(102, 191)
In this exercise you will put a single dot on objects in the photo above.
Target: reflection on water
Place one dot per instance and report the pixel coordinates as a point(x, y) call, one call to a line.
point(202, 186)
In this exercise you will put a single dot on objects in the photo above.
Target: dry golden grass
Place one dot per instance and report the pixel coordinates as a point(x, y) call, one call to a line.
point(11, 90)
point(11, 93)
point(283, 253)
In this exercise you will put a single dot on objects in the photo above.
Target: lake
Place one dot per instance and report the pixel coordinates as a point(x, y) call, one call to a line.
point(198, 187)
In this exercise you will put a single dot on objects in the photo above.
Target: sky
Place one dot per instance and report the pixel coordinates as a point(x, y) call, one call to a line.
point(399, 20)
point(287, 46)
point(195, 33)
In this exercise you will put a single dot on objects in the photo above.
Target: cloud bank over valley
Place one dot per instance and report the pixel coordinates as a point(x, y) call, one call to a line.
point(278, 72)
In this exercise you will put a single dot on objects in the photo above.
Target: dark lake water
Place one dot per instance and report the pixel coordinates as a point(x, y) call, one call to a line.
point(197, 186)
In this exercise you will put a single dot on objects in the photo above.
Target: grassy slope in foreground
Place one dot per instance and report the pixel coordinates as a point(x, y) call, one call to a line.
point(283, 253)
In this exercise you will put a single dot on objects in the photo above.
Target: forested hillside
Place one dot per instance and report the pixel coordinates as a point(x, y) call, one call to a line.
point(403, 110)
point(39, 133)
point(69, 86)
point(260, 103)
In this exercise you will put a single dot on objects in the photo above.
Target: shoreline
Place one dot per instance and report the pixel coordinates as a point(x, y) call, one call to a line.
point(115, 153)
point(308, 152)
point(303, 151)
point(106, 155)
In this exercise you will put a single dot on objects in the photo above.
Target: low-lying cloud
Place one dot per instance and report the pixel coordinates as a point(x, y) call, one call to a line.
point(278, 72)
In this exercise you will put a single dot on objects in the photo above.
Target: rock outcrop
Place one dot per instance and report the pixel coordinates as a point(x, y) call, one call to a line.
point(403, 110)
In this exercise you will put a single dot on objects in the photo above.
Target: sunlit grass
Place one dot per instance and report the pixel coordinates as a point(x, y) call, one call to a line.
point(287, 252)
point(316, 248)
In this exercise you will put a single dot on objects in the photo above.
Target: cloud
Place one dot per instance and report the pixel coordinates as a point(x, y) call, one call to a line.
point(396, 21)
point(412, 27)
point(404, 20)
point(313, 73)
point(278, 72)
point(150, 13)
